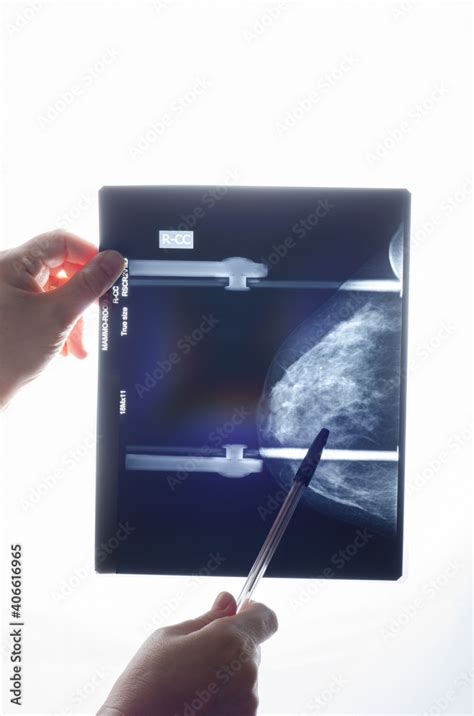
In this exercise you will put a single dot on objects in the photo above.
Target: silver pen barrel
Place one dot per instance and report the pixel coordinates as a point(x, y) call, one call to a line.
point(301, 480)
point(271, 543)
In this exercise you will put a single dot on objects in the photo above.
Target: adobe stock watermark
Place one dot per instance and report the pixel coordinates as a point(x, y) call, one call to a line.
point(417, 358)
point(78, 88)
point(446, 207)
point(423, 351)
point(402, 9)
point(223, 676)
point(319, 702)
point(192, 583)
point(81, 574)
point(209, 199)
point(70, 215)
point(184, 346)
point(311, 99)
point(298, 231)
point(25, 15)
point(37, 492)
point(423, 477)
point(266, 20)
point(215, 440)
point(337, 562)
point(161, 6)
point(85, 691)
point(272, 503)
point(105, 549)
point(69, 585)
point(462, 680)
point(419, 111)
point(161, 125)
point(428, 593)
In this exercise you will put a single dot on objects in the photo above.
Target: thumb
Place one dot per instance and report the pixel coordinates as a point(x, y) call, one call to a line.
point(87, 285)
point(224, 606)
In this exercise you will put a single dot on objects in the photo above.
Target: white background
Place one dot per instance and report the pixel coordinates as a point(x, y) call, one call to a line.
point(377, 95)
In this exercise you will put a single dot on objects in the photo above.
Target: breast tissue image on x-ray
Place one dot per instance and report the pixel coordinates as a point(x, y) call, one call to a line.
point(247, 319)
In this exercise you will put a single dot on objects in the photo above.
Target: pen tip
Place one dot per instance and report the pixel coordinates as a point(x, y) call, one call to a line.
point(323, 436)
point(307, 468)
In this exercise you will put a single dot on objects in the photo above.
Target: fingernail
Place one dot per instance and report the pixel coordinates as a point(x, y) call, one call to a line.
point(222, 601)
point(112, 262)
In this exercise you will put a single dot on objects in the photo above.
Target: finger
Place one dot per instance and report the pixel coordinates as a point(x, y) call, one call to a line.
point(75, 340)
point(257, 621)
point(56, 276)
point(69, 268)
point(44, 252)
point(223, 606)
point(87, 285)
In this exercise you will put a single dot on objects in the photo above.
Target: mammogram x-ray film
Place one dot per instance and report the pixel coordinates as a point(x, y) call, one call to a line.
point(247, 319)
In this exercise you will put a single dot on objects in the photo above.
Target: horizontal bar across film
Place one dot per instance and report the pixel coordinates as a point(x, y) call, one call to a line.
point(236, 269)
point(366, 285)
point(373, 285)
point(225, 466)
point(281, 453)
point(234, 464)
point(241, 274)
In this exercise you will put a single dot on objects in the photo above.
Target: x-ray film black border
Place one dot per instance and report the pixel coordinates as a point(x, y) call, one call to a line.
point(108, 424)
point(403, 381)
point(107, 473)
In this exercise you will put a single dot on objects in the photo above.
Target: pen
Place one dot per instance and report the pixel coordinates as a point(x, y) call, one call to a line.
point(300, 481)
